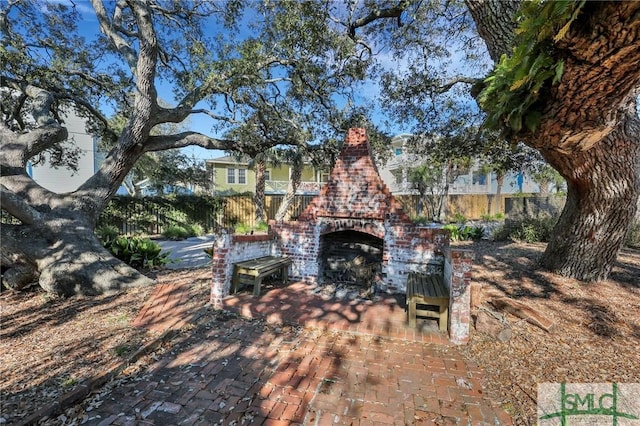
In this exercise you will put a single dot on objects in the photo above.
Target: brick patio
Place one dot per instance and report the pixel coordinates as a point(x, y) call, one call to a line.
point(354, 364)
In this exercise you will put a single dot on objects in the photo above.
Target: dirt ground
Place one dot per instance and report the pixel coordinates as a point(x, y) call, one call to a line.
point(596, 334)
point(49, 345)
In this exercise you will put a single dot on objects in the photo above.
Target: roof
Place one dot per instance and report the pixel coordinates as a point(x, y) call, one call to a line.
point(229, 159)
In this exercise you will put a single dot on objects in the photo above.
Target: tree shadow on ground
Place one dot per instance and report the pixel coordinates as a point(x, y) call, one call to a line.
point(513, 269)
point(229, 370)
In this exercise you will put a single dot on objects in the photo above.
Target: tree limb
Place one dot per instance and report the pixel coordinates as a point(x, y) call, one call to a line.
point(108, 28)
point(374, 15)
point(460, 79)
point(181, 140)
point(17, 207)
point(40, 139)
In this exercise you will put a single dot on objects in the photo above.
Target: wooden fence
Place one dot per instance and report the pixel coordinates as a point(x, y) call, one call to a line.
point(240, 209)
point(152, 215)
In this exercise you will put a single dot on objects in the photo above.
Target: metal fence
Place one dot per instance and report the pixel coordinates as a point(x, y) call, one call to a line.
point(153, 215)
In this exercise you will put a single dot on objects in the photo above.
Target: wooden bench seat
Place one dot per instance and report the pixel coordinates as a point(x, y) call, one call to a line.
point(251, 272)
point(429, 291)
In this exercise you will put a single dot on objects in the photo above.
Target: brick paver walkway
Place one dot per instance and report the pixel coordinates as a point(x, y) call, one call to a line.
point(231, 371)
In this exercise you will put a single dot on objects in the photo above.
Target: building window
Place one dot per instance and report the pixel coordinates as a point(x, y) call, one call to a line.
point(324, 177)
point(231, 175)
point(479, 178)
point(267, 175)
point(398, 151)
point(398, 175)
point(242, 176)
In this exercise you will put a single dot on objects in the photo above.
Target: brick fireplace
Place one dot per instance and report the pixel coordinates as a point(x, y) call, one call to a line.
point(356, 204)
point(356, 220)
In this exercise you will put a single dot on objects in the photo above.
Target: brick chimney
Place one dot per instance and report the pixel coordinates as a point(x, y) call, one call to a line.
point(355, 198)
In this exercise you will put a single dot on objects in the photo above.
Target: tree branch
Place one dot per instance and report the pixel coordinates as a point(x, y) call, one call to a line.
point(40, 139)
point(456, 80)
point(108, 28)
point(17, 207)
point(181, 140)
point(374, 15)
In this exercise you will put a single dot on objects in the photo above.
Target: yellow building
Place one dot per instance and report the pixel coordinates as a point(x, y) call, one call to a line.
point(232, 176)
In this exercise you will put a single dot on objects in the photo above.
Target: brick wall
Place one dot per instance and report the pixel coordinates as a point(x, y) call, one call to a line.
point(356, 198)
point(229, 249)
point(457, 275)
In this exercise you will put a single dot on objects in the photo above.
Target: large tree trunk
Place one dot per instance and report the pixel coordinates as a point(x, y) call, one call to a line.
point(588, 129)
point(63, 256)
point(603, 186)
point(498, 197)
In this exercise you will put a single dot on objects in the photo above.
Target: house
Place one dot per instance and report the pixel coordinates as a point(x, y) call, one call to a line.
point(235, 176)
point(476, 180)
point(61, 180)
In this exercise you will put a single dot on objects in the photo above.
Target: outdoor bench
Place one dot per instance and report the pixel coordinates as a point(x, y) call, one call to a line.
point(428, 291)
point(251, 272)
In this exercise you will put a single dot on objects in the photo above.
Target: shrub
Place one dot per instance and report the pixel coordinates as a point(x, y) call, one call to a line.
point(633, 238)
point(176, 232)
point(242, 228)
point(138, 252)
point(420, 220)
point(107, 233)
point(487, 217)
point(463, 233)
point(262, 226)
point(180, 232)
point(530, 230)
point(458, 218)
point(195, 229)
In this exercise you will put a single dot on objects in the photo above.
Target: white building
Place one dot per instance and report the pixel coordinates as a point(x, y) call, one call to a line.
point(62, 180)
point(475, 181)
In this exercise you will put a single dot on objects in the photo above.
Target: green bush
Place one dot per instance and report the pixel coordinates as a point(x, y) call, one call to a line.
point(420, 220)
point(195, 230)
point(458, 218)
point(633, 238)
point(242, 228)
point(176, 232)
point(107, 233)
point(530, 230)
point(180, 232)
point(487, 217)
point(262, 226)
point(138, 252)
point(463, 233)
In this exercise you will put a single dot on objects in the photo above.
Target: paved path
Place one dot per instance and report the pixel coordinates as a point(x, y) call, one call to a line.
point(233, 371)
point(187, 253)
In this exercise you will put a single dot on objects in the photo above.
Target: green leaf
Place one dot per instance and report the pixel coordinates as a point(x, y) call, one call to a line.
point(515, 122)
point(559, 72)
point(531, 120)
